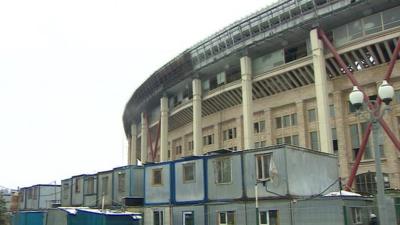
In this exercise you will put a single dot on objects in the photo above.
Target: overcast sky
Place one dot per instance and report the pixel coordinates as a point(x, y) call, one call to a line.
point(67, 68)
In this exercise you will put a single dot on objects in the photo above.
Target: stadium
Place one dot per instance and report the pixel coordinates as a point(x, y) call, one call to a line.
point(268, 79)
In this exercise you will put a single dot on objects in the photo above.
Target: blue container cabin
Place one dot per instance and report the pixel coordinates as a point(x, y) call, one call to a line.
point(66, 192)
point(190, 177)
point(158, 181)
point(90, 190)
point(224, 176)
point(104, 188)
point(77, 190)
point(283, 171)
point(127, 183)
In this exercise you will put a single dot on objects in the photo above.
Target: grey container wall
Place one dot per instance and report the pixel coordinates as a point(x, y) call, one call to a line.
point(310, 172)
point(104, 187)
point(48, 195)
point(22, 201)
point(278, 157)
point(225, 191)
point(66, 192)
point(194, 190)
point(300, 172)
point(197, 211)
point(330, 211)
point(77, 193)
point(132, 185)
point(89, 197)
point(159, 193)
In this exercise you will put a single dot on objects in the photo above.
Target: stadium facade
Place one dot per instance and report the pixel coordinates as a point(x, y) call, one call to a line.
point(267, 79)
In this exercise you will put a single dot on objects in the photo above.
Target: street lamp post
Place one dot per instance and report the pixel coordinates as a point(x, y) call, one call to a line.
point(376, 112)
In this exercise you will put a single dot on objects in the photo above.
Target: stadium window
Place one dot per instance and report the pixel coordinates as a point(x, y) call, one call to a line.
point(206, 85)
point(260, 144)
point(262, 166)
point(208, 139)
point(293, 118)
point(286, 121)
point(312, 117)
point(269, 217)
point(221, 78)
point(157, 177)
point(314, 140)
point(178, 149)
point(335, 145)
point(158, 217)
point(356, 138)
point(121, 182)
point(229, 134)
point(278, 122)
point(259, 126)
point(397, 96)
point(190, 145)
point(365, 183)
point(279, 141)
point(226, 218)
point(188, 172)
point(223, 170)
point(104, 185)
point(356, 215)
point(295, 52)
point(332, 111)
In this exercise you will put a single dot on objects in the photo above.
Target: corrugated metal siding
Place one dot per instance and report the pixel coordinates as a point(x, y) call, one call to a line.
point(57, 217)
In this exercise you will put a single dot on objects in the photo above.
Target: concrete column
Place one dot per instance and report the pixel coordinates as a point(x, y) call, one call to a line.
point(321, 87)
point(143, 143)
point(343, 155)
point(164, 129)
point(217, 134)
point(301, 123)
point(132, 156)
point(247, 102)
point(197, 128)
point(269, 123)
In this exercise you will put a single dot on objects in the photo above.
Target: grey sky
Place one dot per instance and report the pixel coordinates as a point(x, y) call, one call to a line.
point(67, 68)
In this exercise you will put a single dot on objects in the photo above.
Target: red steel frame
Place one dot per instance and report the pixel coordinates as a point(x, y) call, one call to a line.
point(153, 151)
point(349, 74)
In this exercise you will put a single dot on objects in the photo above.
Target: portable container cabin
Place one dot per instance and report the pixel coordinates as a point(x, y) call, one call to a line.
point(158, 182)
point(286, 171)
point(90, 190)
point(42, 196)
point(225, 176)
point(77, 190)
point(66, 192)
point(104, 187)
point(128, 183)
point(189, 214)
point(190, 176)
